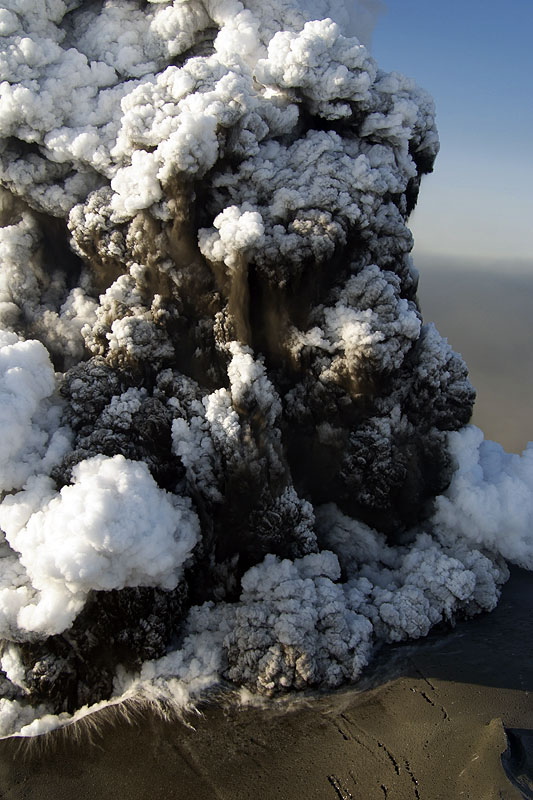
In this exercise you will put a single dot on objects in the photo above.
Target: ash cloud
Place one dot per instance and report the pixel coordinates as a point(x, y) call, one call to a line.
point(232, 449)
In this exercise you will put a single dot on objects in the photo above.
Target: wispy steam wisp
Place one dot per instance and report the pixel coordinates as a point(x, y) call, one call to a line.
point(231, 449)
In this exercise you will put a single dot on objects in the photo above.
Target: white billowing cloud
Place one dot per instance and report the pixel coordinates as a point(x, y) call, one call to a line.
point(15, 716)
point(112, 528)
point(298, 60)
point(236, 231)
point(490, 499)
point(137, 41)
point(31, 435)
point(131, 118)
point(137, 185)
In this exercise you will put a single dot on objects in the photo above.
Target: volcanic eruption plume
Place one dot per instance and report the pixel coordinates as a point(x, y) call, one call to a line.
point(231, 449)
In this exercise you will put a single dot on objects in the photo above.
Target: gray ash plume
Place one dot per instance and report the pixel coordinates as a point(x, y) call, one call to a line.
point(229, 443)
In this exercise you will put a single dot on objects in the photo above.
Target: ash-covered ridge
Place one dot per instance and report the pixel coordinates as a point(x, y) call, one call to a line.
point(231, 448)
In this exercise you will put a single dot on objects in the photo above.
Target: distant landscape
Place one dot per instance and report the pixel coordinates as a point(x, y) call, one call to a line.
point(484, 309)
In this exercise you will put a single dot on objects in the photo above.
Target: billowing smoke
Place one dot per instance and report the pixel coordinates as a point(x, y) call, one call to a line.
point(231, 449)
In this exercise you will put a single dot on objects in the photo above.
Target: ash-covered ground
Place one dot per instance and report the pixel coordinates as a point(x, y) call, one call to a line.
point(232, 449)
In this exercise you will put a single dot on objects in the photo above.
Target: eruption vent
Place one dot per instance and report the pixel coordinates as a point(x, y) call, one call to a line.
point(231, 449)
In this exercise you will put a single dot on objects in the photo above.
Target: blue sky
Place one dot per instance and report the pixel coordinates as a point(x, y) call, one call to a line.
point(476, 59)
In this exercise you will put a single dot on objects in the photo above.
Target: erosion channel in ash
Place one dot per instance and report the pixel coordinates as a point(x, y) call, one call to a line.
point(231, 449)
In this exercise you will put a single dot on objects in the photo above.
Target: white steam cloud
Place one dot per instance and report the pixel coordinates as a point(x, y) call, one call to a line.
point(113, 527)
point(231, 449)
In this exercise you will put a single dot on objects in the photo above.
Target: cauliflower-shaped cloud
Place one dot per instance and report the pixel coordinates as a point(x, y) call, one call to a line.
point(111, 529)
point(489, 501)
point(31, 438)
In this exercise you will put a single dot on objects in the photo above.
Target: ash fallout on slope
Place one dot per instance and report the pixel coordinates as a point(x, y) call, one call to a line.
point(232, 450)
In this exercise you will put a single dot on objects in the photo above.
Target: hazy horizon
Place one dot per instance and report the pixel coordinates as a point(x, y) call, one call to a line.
point(486, 316)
